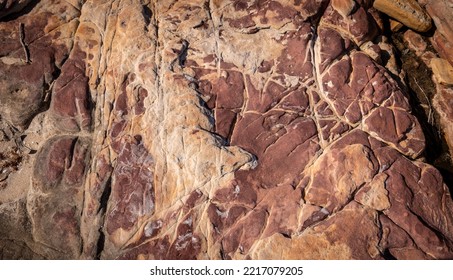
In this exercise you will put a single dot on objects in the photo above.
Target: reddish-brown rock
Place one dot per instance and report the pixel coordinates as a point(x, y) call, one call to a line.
point(211, 130)
point(9, 7)
point(443, 104)
point(441, 11)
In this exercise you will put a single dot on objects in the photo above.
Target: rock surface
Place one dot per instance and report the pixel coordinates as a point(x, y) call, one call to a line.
point(441, 11)
point(442, 70)
point(210, 130)
point(443, 103)
point(407, 12)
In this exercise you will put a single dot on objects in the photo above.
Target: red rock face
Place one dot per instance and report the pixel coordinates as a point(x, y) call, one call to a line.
point(214, 130)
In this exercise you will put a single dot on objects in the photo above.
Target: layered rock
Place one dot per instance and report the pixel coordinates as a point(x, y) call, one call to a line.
point(442, 40)
point(212, 130)
point(407, 12)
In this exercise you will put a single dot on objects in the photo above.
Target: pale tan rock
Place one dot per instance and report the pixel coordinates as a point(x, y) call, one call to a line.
point(375, 195)
point(334, 171)
point(343, 7)
point(326, 239)
point(309, 246)
point(388, 52)
point(395, 25)
point(407, 12)
point(372, 50)
point(442, 71)
point(213, 130)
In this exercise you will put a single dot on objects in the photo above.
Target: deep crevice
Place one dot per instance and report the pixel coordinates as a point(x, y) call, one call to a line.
point(25, 10)
point(100, 245)
point(105, 196)
point(222, 252)
point(103, 203)
point(72, 152)
point(147, 15)
point(232, 127)
point(387, 255)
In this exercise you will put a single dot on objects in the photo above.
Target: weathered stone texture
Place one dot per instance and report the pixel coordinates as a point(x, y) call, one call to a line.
point(440, 11)
point(407, 12)
point(212, 130)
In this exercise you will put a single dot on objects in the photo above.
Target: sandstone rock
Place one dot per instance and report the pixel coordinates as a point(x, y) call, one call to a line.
point(388, 56)
point(443, 103)
point(442, 70)
point(407, 12)
point(443, 46)
point(212, 130)
point(344, 7)
point(441, 11)
point(415, 42)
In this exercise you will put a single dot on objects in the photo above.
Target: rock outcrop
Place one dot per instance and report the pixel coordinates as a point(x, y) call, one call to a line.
point(435, 91)
point(442, 40)
point(407, 12)
point(210, 130)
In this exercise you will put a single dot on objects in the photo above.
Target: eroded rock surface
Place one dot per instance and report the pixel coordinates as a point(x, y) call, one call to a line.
point(407, 12)
point(431, 78)
point(211, 130)
point(442, 40)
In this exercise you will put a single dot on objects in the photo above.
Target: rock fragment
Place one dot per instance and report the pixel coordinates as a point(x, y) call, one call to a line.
point(344, 7)
point(441, 12)
point(442, 70)
point(407, 12)
point(443, 104)
point(415, 42)
point(395, 25)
